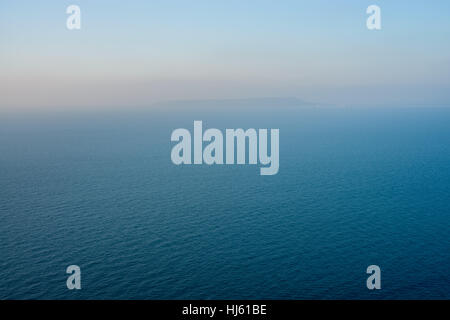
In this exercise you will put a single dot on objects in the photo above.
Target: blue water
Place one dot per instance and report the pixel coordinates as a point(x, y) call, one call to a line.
point(356, 187)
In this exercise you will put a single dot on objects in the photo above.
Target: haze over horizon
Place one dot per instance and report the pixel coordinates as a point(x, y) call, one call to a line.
point(137, 55)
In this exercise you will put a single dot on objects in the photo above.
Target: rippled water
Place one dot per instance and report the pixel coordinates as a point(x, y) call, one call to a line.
point(356, 187)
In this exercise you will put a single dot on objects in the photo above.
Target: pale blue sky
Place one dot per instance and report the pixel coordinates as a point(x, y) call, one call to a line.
point(130, 53)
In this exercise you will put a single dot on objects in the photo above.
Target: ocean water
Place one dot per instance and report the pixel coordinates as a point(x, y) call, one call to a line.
point(356, 187)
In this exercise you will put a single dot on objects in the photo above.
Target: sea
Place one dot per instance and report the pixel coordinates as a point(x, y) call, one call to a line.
point(357, 186)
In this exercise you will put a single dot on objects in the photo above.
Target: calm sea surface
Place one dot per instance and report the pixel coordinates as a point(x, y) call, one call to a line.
point(356, 187)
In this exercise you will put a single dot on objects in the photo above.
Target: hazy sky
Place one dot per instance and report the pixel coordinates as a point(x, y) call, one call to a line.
point(133, 53)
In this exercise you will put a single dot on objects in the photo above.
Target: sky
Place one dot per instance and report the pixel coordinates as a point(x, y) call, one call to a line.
point(136, 53)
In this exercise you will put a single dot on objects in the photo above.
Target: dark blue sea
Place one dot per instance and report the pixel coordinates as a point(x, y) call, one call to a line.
point(356, 187)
